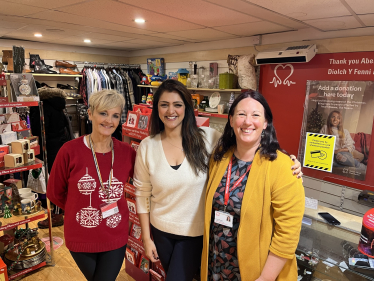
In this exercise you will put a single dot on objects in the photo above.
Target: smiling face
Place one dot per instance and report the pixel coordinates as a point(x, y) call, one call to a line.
point(335, 119)
point(105, 122)
point(171, 110)
point(248, 122)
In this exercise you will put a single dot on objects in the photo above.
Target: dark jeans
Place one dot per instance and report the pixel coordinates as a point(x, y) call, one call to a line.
point(100, 266)
point(180, 256)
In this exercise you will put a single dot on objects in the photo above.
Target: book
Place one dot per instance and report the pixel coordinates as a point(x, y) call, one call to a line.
point(131, 205)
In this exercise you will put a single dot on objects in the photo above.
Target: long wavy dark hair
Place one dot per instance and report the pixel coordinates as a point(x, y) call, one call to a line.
point(193, 138)
point(268, 145)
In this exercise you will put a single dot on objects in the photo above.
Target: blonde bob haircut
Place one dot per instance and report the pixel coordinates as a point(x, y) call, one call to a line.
point(105, 100)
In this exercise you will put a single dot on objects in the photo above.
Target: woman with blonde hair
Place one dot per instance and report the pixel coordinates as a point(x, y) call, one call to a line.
point(345, 153)
point(87, 182)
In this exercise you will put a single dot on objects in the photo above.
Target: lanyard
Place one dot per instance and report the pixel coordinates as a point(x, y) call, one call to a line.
point(228, 178)
point(98, 169)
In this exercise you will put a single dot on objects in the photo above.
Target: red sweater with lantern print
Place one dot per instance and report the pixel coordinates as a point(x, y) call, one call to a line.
point(74, 186)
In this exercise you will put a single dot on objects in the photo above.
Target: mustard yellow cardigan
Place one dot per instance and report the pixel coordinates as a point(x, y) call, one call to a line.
point(270, 219)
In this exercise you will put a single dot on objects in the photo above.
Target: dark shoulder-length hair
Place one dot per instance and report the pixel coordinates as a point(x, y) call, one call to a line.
point(193, 139)
point(268, 144)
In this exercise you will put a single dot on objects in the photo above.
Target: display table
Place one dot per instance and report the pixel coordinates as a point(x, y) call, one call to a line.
point(324, 250)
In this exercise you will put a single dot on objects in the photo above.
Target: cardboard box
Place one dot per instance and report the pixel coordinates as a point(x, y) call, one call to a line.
point(19, 125)
point(16, 182)
point(20, 146)
point(29, 156)
point(3, 271)
point(23, 134)
point(11, 117)
point(34, 141)
point(13, 160)
point(8, 137)
point(5, 128)
point(4, 149)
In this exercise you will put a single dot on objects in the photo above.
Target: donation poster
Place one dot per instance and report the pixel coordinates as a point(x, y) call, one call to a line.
point(343, 110)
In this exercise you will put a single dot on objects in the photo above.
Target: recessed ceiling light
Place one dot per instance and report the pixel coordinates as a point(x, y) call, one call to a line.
point(87, 41)
point(139, 20)
point(38, 35)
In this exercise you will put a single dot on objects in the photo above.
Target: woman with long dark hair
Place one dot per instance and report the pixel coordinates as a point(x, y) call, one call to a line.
point(249, 183)
point(170, 177)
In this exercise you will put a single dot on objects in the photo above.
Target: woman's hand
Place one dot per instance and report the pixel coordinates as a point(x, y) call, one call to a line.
point(261, 279)
point(150, 250)
point(297, 167)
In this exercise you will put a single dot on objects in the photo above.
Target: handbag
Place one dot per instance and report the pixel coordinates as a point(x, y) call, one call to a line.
point(36, 180)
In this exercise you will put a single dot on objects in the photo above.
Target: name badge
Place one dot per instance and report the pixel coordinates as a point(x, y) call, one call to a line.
point(109, 209)
point(223, 218)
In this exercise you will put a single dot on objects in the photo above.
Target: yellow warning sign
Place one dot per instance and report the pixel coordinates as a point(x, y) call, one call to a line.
point(319, 152)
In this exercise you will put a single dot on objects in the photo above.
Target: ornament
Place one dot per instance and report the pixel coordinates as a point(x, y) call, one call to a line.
point(89, 217)
point(86, 184)
point(7, 212)
point(144, 98)
point(115, 192)
point(24, 88)
point(114, 220)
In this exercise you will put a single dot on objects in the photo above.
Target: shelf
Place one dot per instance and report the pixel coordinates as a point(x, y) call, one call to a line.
point(49, 75)
point(19, 104)
point(71, 98)
point(208, 114)
point(33, 165)
point(12, 222)
point(198, 89)
point(23, 272)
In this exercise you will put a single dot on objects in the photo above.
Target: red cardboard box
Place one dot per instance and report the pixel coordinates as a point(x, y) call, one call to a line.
point(19, 125)
point(3, 271)
point(4, 149)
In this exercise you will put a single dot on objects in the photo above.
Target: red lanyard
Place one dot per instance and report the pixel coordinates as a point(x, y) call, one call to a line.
point(227, 193)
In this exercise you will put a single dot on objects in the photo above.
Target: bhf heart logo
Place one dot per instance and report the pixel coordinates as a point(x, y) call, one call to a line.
point(277, 80)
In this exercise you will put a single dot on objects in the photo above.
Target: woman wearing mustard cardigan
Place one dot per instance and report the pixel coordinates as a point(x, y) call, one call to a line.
point(252, 223)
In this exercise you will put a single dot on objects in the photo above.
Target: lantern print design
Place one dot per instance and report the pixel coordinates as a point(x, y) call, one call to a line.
point(86, 184)
point(114, 220)
point(89, 217)
point(115, 191)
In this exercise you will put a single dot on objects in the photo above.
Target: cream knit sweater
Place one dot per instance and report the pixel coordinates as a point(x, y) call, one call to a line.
point(174, 198)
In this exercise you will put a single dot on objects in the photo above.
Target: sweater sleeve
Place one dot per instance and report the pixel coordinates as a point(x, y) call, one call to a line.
point(142, 182)
point(288, 202)
point(348, 141)
point(57, 187)
point(324, 130)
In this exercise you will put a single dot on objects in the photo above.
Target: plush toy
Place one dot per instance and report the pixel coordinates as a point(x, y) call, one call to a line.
point(150, 99)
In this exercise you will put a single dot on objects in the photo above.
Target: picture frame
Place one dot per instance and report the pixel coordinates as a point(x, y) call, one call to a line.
point(132, 206)
point(132, 119)
point(144, 264)
point(130, 256)
point(136, 231)
point(144, 121)
point(135, 146)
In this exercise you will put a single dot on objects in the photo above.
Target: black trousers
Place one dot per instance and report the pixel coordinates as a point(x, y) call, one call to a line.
point(100, 266)
point(180, 256)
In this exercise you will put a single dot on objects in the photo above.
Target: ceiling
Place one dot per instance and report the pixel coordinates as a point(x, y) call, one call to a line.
point(110, 24)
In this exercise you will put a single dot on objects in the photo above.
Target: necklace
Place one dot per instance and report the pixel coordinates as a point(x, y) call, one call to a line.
point(173, 145)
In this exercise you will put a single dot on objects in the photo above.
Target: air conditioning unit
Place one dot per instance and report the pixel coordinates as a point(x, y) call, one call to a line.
point(294, 54)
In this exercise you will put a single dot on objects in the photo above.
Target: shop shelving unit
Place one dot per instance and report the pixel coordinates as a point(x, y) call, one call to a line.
point(51, 75)
point(19, 220)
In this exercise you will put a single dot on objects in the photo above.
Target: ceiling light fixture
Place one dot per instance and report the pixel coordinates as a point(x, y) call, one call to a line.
point(38, 35)
point(87, 41)
point(139, 20)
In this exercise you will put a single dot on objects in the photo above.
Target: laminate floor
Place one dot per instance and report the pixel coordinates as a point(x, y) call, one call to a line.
point(65, 268)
